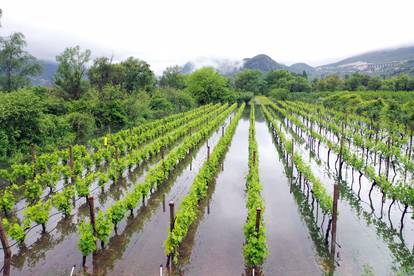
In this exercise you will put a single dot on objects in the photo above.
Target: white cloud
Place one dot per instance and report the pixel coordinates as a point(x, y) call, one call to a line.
point(166, 32)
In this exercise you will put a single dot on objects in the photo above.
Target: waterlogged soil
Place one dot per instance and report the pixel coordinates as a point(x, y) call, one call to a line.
point(370, 235)
point(216, 245)
point(290, 247)
point(56, 252)
point(365, 239)
point(140, 251)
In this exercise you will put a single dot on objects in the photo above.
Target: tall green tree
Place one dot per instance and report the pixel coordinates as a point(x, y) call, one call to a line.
point(250, 81)
point(374, 83)
point(356, 81)
point(71, 73)
point(102, 72)
point(172, 77)
point(207, 85)
point(16, 64)
point(137, 75)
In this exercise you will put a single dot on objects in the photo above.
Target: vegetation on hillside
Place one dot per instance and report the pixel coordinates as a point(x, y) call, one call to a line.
point(89, 97)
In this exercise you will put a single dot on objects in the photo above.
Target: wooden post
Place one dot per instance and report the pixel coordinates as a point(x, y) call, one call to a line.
point(208, 152)
point(258, 211)
point(172, 217)
point(6, 250)
point(334, 219)
point(92, 212)
point(172, 220)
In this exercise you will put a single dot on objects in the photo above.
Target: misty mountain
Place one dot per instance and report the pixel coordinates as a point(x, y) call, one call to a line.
point(48, 70)
point(383, 62)
point(262, 63)
point(387, 62)
point(298, 68)
point(224, 66)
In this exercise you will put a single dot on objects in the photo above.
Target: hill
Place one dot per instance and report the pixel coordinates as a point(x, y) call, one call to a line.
point(383, 62)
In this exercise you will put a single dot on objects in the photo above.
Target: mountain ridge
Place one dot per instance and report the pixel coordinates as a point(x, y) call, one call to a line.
point(386, 62)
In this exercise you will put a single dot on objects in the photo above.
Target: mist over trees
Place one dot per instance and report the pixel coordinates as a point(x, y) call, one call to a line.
point(16, 64)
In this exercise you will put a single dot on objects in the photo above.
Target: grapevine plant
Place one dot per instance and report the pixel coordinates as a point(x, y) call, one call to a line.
point(160, 173)
point(188, 210)
point(255, 248)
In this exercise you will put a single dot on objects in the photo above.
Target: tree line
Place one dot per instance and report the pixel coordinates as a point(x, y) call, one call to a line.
point(91, 96)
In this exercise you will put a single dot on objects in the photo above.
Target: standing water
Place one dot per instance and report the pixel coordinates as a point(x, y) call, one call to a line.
point(290, 247)
point(218, 242)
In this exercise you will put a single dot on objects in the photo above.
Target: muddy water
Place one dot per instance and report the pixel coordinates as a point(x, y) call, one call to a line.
point(143, 253)
point(56, 252)
point(291, 251)
point(217, 247)
point(364, 240)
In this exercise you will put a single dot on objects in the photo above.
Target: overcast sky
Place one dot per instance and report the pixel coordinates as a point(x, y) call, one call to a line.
point(172, 32)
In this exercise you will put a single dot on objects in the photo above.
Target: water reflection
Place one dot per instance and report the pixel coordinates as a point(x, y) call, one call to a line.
point(393, 238)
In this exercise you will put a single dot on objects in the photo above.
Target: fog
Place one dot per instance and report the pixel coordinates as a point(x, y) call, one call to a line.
point(173, 32)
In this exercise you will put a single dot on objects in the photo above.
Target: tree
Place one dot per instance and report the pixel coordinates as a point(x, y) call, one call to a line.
point(304, 74)
point(16, 65)
point(288, 80)
point(403, 83)
point(333, 83)
point(374, 83)
point(160, 105)
point(279, 94)
point(180, 99)
point(277, 78)
point(206, 85)
point(298, 84)
point(136, 74)
point(172, 77)
point(356, 81)
point(83, 124)
point(110, 109)
point(102, 72)
point(70, 75)
point(249, 81)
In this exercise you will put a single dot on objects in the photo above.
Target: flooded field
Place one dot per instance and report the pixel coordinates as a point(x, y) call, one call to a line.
point(367, 234)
